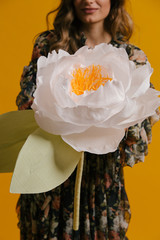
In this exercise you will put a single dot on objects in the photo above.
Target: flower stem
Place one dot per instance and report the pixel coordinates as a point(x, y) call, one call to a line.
point(77, 193)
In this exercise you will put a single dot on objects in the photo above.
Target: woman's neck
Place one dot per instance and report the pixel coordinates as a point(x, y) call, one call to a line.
point(95, 35)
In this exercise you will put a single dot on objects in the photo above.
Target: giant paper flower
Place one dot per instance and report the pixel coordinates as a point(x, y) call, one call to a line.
point(90, 97)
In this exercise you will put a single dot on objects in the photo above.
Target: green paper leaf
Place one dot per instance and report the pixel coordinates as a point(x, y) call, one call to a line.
point(15, 127)
point(44, 162)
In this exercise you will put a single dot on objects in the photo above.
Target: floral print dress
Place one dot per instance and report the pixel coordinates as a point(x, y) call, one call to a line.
point(104, 207)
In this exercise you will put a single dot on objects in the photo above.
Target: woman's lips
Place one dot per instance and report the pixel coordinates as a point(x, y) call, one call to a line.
point(89, 10)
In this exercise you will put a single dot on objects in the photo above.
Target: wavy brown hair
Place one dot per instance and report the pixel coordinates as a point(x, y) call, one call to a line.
point(67, 34)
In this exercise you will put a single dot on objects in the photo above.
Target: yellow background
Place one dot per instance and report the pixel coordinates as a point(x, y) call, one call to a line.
point(20, 21)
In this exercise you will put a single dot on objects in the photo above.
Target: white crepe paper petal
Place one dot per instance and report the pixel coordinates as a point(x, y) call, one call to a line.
point(95, 140)
point(90, 97)
point(140, 80)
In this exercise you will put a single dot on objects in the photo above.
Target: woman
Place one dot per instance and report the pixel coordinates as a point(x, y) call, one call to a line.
point(104, 207)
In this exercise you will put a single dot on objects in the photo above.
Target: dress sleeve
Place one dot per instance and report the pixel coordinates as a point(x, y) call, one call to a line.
point(134, 146)
point(28, 79)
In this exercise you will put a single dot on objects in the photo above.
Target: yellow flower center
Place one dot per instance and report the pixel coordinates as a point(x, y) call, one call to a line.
point(89, 78)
